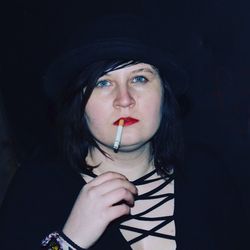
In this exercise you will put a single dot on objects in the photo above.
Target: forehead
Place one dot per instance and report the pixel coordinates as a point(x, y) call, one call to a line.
point(135, 68)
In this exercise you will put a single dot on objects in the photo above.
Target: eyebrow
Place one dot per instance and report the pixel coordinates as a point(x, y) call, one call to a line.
point(152, 71)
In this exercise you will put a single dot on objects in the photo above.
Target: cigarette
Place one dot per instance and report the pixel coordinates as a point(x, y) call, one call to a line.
point(118, 135)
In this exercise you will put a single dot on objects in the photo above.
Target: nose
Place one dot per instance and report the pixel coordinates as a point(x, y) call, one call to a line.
point(124, 98)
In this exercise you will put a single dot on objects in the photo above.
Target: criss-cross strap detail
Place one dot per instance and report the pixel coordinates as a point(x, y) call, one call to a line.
point(152, 208)
point(152, 218)
point(149, 194)
point(153, 212)
point(145, 233)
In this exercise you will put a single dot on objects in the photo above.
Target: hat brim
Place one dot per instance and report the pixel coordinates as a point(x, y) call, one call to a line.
point(72, 63)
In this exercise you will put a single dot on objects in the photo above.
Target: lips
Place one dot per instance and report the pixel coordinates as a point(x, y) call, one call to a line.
point(127, 121)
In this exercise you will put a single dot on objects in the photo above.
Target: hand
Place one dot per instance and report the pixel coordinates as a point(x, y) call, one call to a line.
point(97, 204)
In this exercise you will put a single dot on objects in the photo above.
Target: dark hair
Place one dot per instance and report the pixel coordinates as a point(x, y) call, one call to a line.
point(77, 139)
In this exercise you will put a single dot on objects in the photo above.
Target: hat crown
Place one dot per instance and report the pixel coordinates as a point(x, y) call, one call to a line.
point(125, 37)
point(125, 27)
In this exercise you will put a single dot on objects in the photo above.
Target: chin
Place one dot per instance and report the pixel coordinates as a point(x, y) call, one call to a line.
point(133, 147)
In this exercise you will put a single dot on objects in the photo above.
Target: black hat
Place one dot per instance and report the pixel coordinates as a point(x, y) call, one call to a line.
point(115, 37)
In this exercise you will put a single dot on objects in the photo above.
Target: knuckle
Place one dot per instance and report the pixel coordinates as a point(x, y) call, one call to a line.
point(124, 209)
point(119, 182)
point(123, 192)
point(91, 193)
point(113, 175)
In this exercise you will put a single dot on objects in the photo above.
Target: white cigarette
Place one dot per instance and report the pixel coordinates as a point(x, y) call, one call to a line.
point(118, 135)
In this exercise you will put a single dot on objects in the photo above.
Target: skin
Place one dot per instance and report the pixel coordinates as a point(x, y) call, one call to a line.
point(133, 91)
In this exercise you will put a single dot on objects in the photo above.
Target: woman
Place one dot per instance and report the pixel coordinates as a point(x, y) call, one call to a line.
point(133, 92)
point(120, 130)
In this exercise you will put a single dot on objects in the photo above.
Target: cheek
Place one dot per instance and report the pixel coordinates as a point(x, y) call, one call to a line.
point(92, 114)
point(153, 111)
point(153, 105)
point(97, 115)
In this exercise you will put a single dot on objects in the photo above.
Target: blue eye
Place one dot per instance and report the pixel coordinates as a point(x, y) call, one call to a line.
point(139, 79)
point(103, 84)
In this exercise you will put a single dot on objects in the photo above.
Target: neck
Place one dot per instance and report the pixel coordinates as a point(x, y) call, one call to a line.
point(131, 164)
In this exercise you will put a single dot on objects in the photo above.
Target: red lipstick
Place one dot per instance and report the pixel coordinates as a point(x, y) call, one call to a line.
point(127, 121)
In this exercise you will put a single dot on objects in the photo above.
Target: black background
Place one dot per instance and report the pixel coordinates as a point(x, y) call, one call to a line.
point(211, 39)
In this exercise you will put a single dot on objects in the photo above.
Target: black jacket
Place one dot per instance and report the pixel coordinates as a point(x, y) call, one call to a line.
point(42, 194)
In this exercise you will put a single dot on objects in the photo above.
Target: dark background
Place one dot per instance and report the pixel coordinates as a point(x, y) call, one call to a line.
point(210, 38)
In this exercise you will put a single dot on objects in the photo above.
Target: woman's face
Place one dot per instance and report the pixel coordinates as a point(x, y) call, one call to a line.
point(133, 92)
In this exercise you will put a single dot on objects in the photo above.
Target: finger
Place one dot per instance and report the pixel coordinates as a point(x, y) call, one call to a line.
point(118, 195)
point(114, 184)
point(117, 211)
point(105, 177)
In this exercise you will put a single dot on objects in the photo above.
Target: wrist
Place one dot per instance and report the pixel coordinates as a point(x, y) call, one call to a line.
point(58, 240)
point(71, 242)
point(76, 237)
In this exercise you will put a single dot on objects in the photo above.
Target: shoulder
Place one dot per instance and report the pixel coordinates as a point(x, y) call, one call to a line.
point(39, 200)
point(44, 175)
